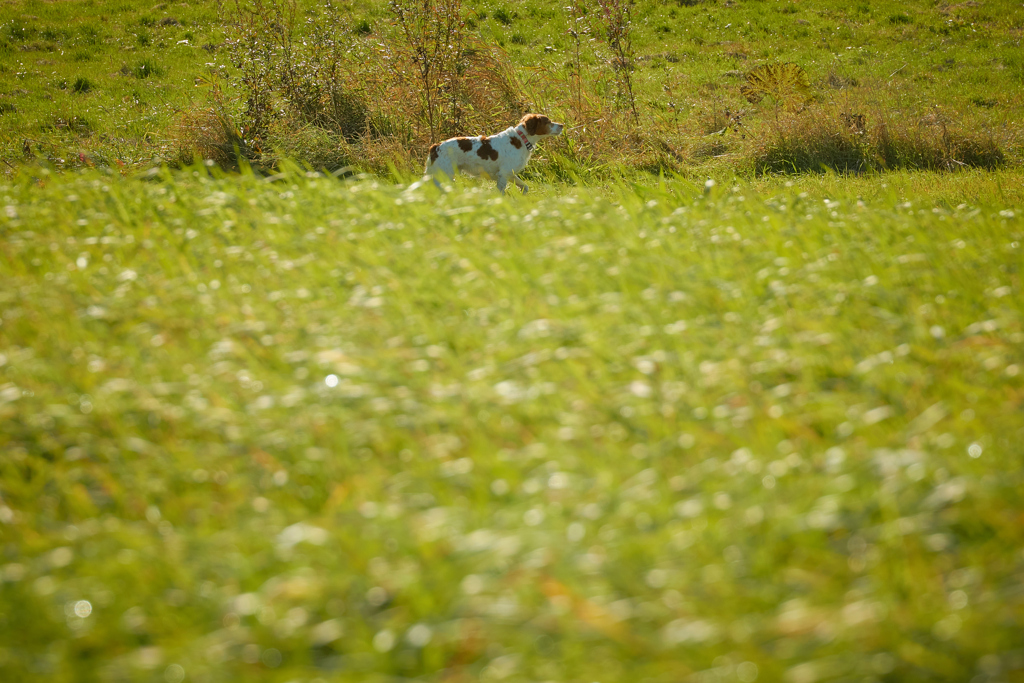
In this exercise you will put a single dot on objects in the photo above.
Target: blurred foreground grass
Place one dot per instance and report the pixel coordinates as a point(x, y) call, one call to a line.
point(311, 429)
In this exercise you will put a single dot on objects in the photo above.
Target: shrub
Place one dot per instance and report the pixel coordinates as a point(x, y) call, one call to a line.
point(430, 42)
point(304, 80)
point(579, 31)
point(617, 20)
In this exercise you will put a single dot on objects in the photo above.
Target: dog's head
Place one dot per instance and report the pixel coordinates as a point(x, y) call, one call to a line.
point(538, 125)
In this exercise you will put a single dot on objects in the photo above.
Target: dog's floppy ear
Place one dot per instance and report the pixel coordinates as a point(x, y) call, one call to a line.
point(536, 124)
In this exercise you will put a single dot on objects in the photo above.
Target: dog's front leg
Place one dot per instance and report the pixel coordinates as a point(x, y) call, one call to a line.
point(503, 183)
point(520, 184)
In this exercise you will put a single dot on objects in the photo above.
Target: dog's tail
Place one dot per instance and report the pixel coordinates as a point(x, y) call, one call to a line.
point(433, 156)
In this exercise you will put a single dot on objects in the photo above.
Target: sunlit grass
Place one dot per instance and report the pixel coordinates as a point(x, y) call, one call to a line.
point(304, 428)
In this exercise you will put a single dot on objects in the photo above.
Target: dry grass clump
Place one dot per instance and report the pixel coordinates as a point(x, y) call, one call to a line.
point(935, 143)
point(825, 137)
point(208, 133)
point(807, 141)
point(316, 146)
point(335, 108)
point(388, 156)
point(492, 89)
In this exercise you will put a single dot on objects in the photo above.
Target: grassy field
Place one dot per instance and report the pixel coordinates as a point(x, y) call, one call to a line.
point(114, 84)
point(102, 79)
point(303, 429)
point(634, 426)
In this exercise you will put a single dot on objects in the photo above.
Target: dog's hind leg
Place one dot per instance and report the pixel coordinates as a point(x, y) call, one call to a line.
point(439, 163)
point(520, 184)
point(440, 168)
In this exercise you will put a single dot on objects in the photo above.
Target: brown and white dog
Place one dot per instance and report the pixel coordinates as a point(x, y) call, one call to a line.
point(498, 156)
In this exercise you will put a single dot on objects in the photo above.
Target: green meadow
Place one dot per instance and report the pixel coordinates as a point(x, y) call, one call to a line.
point(698, 408)
point(300, 429)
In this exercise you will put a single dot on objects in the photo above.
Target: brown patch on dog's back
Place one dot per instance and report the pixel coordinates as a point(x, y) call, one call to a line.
point(433, 152)
point(465, 144)
point(515, 142)
point(486, 151)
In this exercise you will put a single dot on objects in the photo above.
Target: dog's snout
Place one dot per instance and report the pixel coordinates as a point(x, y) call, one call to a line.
point(556, 128)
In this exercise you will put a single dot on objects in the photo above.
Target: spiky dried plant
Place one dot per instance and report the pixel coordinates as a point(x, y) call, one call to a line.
point(784, 83)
